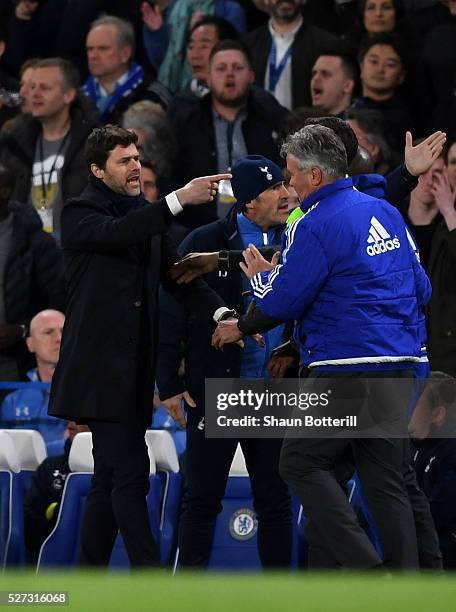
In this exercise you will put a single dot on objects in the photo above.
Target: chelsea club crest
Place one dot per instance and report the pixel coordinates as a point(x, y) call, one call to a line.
point(243, 524)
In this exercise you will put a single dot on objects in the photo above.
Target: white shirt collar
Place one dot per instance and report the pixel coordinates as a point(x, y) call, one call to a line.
point(120, 81)
point(289, 35)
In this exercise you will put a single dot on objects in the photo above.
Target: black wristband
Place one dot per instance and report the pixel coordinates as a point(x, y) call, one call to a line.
point(223, 261)
point(407, 176)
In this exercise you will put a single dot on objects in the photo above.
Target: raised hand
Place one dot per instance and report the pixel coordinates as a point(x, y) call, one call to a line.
point(255, 262)
point(444, 199)
point(152, 16)
point(420, 158)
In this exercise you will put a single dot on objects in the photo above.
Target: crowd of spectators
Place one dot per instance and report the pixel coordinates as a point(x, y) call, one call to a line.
point(204, 83)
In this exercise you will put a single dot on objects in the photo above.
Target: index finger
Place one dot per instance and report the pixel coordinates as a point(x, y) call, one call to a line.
point(435, 136)
point(217, 177)
point(254, 250)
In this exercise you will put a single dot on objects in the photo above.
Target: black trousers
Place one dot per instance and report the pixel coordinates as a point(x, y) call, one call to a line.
point(308, 466)
point(429, 554)
point(320, 556)
point(117, 498)
point(208, 464)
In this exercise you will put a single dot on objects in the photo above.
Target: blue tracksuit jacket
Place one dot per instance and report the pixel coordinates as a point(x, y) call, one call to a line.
point(351, 280)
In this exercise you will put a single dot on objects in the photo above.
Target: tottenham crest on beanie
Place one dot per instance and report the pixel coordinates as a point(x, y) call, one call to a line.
point(252, 175)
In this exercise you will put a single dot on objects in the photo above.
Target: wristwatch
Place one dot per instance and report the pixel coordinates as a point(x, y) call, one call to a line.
point(223, 261)
point(224, 313)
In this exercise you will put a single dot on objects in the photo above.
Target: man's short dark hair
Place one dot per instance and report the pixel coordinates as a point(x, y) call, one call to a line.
point(7, 177)
point(105, 139)
point(349, 64)
point(384, 39)
point(231, 45)
point(70, 74)
point(225, 30)
point(341, 129)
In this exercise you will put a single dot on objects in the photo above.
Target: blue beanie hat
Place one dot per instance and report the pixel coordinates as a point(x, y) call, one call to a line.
point(251, 175)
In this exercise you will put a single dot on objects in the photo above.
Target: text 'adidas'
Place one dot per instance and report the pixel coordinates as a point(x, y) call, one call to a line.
point(379, 239)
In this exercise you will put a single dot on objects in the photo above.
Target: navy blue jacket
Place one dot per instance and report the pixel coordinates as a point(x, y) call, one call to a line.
point(202, 361)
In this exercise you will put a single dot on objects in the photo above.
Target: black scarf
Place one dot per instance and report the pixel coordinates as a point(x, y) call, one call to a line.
point(123, 204)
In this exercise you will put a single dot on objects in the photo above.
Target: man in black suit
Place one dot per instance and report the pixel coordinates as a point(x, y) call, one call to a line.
point(284, 51)
point(116, 252)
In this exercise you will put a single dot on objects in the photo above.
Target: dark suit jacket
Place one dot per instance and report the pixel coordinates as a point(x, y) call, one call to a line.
point(309, 43)
point(197, 151)
point(114, 264)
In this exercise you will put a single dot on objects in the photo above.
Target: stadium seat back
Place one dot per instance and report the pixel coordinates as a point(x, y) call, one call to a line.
point(164, 450)
point(61, 547)
point(80, 458)
point(235, 536)
point(9, 466)
point(30, 447)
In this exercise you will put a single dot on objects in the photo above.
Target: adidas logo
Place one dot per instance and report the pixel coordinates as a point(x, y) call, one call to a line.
point(379, 240)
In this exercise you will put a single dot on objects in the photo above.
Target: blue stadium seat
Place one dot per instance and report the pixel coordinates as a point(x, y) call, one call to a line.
point(235, 536)
point(9, 465)
point(359, 503)
point(31, 452)
point(61, 547)
point(162, 446)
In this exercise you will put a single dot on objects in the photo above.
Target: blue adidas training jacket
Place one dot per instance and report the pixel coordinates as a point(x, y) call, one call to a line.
point(351, 280)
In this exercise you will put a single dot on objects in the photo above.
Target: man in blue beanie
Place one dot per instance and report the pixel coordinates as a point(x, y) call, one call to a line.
point(258, 218)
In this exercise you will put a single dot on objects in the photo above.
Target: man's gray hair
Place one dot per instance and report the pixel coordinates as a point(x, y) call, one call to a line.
point(125, 32)
point(316, 145)
point(159, 147)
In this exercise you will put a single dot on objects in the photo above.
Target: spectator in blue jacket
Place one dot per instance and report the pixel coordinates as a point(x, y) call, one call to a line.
point(347, 329)
point(27, 408)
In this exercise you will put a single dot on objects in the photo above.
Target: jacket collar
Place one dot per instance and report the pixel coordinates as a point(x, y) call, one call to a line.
point(122, 203)
point(326, 191)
